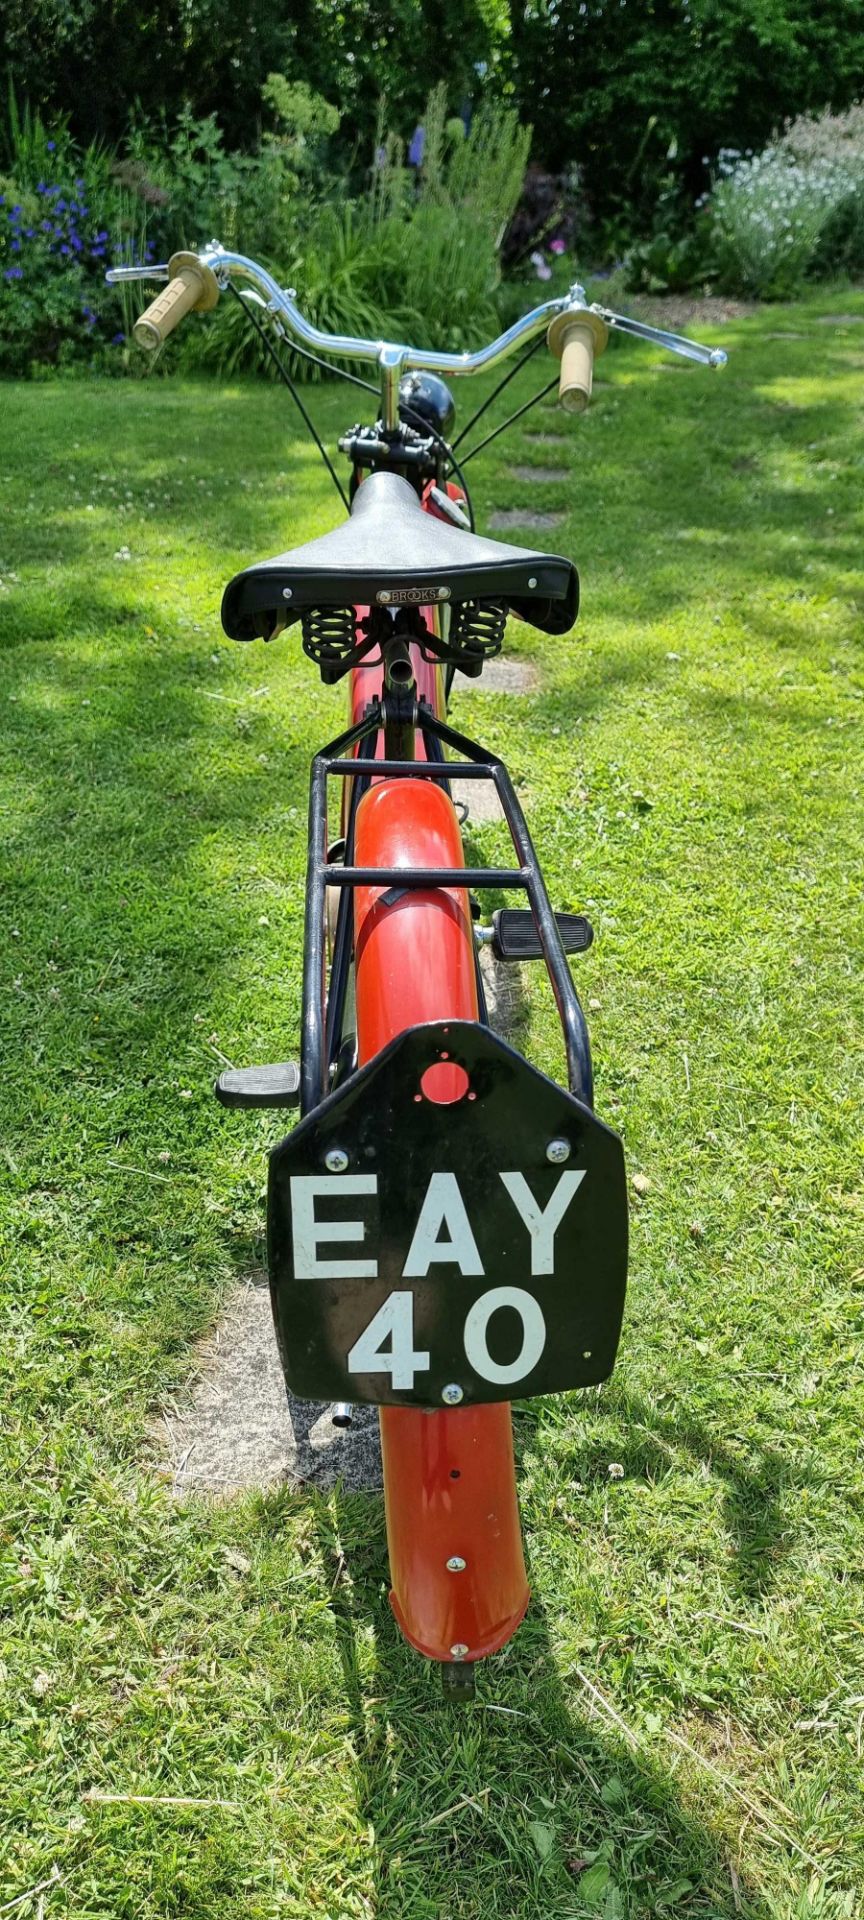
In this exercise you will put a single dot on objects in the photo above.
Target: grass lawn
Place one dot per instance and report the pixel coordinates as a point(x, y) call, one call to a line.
point(678, 1727)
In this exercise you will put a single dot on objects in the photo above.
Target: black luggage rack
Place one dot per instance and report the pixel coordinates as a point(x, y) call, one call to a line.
point(323, 1014)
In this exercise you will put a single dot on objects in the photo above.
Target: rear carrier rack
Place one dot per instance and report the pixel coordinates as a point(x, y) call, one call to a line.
point(352, 757)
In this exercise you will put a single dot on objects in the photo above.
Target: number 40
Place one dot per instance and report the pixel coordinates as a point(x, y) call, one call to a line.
point(394, 1322)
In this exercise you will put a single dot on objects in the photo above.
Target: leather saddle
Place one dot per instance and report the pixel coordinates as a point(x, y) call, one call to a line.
point(389, 552)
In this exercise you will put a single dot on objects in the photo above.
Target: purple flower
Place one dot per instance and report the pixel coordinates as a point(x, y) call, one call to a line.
point(417, 148)
point(79, 185)
point(16, 246)
point(117, 339)
point(557, 246)
point(51, 146)
point(97, 253)
point(65, 250)
point(14, 273)
point(541, 267)
point(61, 206)
point(45, 226)
point(29, 232)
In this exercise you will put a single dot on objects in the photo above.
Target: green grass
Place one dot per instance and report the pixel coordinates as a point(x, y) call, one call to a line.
point(691, 765)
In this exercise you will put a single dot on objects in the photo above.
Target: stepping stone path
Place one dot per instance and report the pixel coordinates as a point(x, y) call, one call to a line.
point(547, 439)
point(541, 476)
point(498, 676)
point(840, 319)
point(510, 517)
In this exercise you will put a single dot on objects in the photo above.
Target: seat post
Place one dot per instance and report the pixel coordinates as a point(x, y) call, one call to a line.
point(399, 706)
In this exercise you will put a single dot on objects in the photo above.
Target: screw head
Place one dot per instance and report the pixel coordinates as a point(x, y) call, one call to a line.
point(532, 582)
point(455, 1563)
point(458, 1650)
point(452, 1394)
point(287, 593)
point(558, 1151)
point(336, 1160)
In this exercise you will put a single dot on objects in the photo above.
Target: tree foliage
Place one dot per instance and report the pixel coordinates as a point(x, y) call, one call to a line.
point(633, 91)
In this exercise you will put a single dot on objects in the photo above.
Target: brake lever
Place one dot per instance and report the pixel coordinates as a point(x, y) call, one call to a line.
point(673, 342)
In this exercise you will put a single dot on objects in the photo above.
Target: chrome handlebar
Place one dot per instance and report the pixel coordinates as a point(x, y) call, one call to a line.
point(394, 359)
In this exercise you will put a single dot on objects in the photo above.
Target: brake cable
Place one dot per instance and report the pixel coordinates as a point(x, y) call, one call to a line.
point(286, 377)
point(508, 422)
point(448, 450)
point(517, 368)
point(368, 387)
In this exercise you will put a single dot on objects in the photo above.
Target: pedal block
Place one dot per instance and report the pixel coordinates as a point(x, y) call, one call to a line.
point(515, 935)
point(277, 1086)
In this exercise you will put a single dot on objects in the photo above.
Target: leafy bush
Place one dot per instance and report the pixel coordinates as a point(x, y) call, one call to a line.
point(415, 254)
point(550, 212)
point(835, 140)
point(628, 92)
point(63, 219)
point(771, 212)
point(414, 257)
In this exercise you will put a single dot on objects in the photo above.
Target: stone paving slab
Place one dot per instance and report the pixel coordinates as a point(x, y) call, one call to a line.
point(508, 517)
point(498, 676)
point(541, 476)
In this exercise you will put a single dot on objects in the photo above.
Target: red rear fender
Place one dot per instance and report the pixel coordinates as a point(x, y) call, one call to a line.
point(449, 1481)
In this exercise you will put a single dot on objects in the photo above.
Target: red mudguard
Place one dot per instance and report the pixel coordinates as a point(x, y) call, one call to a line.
point(449, 1479)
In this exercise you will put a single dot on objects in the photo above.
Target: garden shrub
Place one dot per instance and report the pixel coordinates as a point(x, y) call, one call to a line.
point(63, 219)
point(413, 253)
point(416, 256)
point(837, 140)
point(774, 214)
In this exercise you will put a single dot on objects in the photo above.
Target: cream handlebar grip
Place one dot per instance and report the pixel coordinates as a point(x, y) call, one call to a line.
point(576, 338)
point(577, 370)
point(191, 286)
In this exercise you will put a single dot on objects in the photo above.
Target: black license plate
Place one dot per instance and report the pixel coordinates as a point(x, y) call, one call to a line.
point(427, 1254)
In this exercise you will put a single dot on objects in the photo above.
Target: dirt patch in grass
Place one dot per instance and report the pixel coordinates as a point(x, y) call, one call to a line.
point(685, 310)
point(236, 1428)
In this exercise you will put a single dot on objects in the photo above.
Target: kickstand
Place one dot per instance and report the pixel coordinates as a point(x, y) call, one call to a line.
point(457, 1679)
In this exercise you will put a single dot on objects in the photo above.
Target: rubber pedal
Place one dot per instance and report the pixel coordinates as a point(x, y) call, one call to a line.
point(515, 935)
point(277, 1086)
